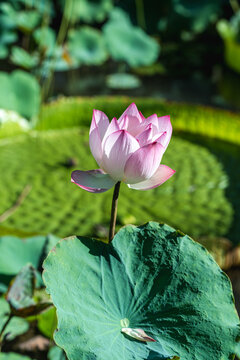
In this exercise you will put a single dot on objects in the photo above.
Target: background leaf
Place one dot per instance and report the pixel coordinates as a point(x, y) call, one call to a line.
point(129, 43)
point(123, 81)
point(22, 58)
point(20, 294)
point(88, 11)
point(56, 353)
point(16, 326)
point(20, 92)
point(16, 253)
point(157, 278)
point(86, 46)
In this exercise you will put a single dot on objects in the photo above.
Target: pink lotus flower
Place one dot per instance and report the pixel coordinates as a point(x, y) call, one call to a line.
point(129, 149)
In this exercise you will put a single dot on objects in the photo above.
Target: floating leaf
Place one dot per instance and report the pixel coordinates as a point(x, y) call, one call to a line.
point(86, 46)
point(16, 253)
point(123, 81)
point(45, 37)
point(56, 353)
point(27, 20)
point(47, 322)
point(151, 278)
point(129, 43)
point(20, 92)
point(15, 327)
point(22, 58)
point(20, 294)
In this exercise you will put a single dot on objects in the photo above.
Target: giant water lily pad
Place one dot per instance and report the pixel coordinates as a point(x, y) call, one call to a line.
point(151, 278)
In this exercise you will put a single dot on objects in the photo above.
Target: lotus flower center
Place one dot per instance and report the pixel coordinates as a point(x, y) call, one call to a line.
point(124, 323)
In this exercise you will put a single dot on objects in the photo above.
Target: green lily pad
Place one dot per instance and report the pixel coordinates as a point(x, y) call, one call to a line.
point(22, 58)
point(47, 322)
point(20, 294)
point(55, 353)
point(18, 89)
point(151, 278)
point(15, 327)
point(86, 46)
point(16, 253)
point(45, 37)
point(27, 20)
point(123, 81)
point(129, 43)
point(87, 11)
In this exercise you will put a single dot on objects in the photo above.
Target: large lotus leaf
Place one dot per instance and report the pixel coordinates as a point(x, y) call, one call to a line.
point(86, 46)
point(16, 253)
point(87, 10)
point(129, 43)
point(20, 92)
point(151, 277)
point(16, 326)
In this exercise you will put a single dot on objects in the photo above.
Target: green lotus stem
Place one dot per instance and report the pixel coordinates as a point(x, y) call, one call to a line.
point(114, 211)
point(3, 329)
point(140, 14)
point(60, 39)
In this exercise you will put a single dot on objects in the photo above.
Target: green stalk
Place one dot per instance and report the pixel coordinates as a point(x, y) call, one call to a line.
point(140, 14)
point(59, 42)
point(3, 329)
point(114, 211)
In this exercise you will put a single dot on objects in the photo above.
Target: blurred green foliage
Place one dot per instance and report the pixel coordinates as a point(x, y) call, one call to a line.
point(86, 46)
point(230, 33)
point(16, 327)
point(49, 36)
point(20, 92)
point(129, 43)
